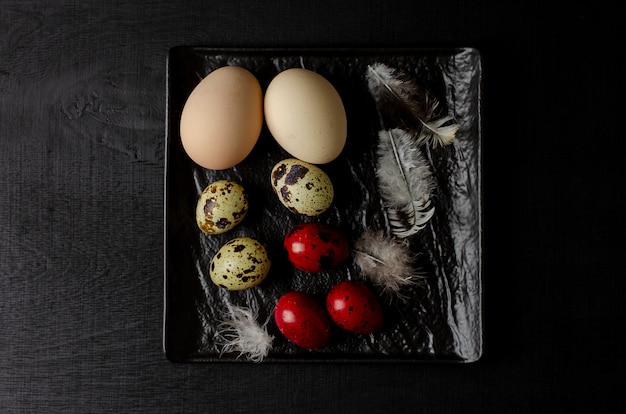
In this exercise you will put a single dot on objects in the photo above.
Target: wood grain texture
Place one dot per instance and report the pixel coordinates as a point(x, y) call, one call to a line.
point(82, 109)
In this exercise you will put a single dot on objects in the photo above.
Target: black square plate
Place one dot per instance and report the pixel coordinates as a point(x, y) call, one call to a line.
point(439, 320)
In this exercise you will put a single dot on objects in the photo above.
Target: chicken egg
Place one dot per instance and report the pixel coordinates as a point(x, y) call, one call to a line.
point(302, 187)
point(222, 118)
point(305, 115)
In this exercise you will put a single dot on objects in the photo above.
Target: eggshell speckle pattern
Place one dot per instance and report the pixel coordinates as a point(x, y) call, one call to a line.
point(222, 205)
point(302, 187)
point(240, 264)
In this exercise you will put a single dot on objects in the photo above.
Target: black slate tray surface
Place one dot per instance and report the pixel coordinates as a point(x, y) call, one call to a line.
point(440, 319)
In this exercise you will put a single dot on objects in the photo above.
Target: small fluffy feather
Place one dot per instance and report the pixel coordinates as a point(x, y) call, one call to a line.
point(386, 261)
point(242, 333)
point(400, 97)
point(405, 182)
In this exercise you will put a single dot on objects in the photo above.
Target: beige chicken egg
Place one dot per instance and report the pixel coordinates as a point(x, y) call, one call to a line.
point(305, 115)
point(222, 118)
point(222, 205)
point(302, 187)
point(240, 264)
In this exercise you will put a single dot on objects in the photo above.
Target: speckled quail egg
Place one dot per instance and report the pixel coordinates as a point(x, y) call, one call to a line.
point(240, 264)
point(222, 205)
point(302, 187)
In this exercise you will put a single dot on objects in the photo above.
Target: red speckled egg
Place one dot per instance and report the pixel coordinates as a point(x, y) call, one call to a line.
point(354, 307)
point(315, 247)
point(303, 320)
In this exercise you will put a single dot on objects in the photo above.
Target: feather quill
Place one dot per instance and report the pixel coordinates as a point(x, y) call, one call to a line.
point(404, 102)
point(405, 182)
point(240, 332)
point(386, 261)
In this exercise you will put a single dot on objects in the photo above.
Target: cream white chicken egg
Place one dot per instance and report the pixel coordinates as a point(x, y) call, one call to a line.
point(305, 115)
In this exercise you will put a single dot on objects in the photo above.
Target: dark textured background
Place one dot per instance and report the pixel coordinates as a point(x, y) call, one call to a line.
point(82, 111)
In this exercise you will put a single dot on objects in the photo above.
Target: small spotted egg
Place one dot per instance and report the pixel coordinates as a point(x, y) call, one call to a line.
point(240, 264)
point(221, 206)
point(302, 187)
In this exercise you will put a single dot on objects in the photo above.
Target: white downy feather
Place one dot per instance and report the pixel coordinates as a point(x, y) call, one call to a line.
point(240, 332)
point(386, 261)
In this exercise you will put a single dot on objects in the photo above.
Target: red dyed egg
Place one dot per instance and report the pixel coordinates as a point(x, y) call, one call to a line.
point(315, 247)
point(303, 320)
point(354, 307)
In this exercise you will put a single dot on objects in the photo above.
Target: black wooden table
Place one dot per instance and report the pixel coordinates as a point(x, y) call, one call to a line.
point(82, 126)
